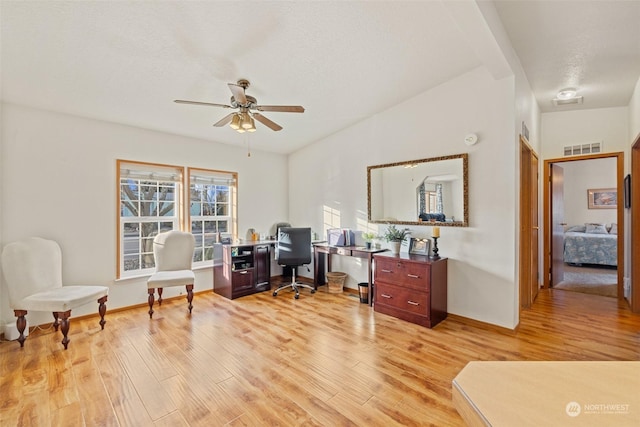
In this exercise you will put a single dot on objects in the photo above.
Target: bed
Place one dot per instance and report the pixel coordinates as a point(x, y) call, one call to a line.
point(589, 245)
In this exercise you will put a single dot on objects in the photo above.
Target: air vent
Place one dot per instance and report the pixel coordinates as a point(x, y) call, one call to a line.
point(574, 100)
point(580, 149)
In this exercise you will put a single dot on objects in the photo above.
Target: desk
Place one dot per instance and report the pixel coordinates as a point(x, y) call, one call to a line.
point(322, 256)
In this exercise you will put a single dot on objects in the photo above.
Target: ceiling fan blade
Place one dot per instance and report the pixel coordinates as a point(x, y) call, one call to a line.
point(238, 93)
point(268, 123)
point(225, 120)
point(181, 101)
point(281, 108)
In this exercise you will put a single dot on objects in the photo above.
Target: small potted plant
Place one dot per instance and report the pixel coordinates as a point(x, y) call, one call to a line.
point(395, 236)
point(368, 238)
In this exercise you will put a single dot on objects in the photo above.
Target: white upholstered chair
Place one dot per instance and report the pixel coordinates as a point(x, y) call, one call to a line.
point(173, 253)
point(32, 269)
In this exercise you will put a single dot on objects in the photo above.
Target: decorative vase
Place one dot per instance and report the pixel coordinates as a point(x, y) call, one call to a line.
point(367, 245)
point(395, 247)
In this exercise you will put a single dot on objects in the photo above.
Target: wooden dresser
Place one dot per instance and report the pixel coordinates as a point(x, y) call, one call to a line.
point(411, 287)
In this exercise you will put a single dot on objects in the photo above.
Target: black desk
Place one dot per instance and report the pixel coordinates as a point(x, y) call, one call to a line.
point(322, 261)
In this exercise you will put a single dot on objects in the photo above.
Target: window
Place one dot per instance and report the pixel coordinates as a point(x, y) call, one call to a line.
point(211, 207)
point(149, 204)
point(152, 200)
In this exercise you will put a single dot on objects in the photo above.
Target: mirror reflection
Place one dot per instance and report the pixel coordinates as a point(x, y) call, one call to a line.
point(420, 192)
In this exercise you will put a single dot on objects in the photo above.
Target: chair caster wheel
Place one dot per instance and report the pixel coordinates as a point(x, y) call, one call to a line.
point(275, 294)
point(297, 296)
point(313, 291)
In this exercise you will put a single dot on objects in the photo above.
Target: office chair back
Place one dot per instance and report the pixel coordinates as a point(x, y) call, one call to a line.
point(30, 266)
point(173, 250)
point(294, 246)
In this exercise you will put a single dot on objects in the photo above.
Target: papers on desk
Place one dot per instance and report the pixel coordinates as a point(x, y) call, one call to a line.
point(341, 237)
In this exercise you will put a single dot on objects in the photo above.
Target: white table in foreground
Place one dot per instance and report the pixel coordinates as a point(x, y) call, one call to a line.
point(548, 394)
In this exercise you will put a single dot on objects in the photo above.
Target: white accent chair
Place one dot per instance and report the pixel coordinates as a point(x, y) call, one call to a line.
point(173, 253)
point(32, 268)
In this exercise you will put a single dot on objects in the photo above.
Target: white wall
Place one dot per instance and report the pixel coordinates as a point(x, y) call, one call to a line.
point(580, 176)
point(59, 182)
point(332, 173)
point(634, 114)
point(609, 125)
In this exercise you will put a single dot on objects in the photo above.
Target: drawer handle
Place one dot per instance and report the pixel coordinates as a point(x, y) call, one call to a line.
point(386, 271)
point(243, 272)
point(385, 296)
point(413, 276)
point(413, 302)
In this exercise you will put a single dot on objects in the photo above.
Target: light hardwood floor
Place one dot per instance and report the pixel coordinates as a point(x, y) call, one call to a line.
point(322, 360)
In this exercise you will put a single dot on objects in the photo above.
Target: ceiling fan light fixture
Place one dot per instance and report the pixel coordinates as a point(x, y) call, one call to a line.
point(235, 122)
point(247, 121)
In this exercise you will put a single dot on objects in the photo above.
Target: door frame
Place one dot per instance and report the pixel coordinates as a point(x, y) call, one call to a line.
point(546, 269)
point(529, 248)
point(634, 246)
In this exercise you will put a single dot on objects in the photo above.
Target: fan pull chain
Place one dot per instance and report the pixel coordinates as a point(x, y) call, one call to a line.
point(248, 139)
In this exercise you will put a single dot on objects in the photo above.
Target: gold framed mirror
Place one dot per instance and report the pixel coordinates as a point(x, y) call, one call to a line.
point(433, 191)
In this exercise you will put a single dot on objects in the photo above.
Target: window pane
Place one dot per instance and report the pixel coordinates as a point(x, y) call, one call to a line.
point(222, 209)
point(210, 226)
point(195, 208)
point(131, 262)
point(197, 254)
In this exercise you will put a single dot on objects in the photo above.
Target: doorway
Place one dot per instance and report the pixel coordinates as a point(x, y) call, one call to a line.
point(585, 214)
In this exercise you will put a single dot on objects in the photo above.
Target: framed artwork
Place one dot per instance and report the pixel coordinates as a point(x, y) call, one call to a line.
point(419, 246)
point(627, 191)
point(602, 198)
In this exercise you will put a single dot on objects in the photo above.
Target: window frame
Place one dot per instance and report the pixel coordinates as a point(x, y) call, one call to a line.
point(218, 177)
point(176, 219)
point(181, 220)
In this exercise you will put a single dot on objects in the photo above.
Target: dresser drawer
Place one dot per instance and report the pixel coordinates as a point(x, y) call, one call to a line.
point(403, 298)
point(405, 273)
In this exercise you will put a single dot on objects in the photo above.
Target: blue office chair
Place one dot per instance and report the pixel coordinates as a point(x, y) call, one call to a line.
point(294, 250)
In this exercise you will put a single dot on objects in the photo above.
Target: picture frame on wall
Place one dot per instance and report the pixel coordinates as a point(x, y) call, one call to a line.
point(627, 191)
point(419, 246)
point(602, 198)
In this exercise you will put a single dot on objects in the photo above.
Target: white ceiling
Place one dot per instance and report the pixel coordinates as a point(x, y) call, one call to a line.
point(126, 61)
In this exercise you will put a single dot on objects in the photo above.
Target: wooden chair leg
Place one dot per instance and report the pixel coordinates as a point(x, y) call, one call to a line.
point(64, 327)
point(190, 296)
point(56, 322)
point(151, 299)
point(160, 296)
point(21, 324)
point(102, 309)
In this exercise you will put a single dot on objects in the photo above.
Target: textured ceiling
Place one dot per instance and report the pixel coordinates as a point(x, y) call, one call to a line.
point(593, 46)
point(125, 61)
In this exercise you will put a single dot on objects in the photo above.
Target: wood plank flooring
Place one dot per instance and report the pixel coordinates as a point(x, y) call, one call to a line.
point(322, 360)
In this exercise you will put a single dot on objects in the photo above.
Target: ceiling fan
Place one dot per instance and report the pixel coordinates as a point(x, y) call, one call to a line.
point(243, 119)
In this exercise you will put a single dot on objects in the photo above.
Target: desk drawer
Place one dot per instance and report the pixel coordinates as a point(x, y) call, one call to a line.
point(413, 301)
point(242, 280)
point(402, 272)
point(343, 251)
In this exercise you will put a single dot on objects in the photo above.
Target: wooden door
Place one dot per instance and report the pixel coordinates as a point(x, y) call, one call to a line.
point(557, 224)
point(535, 228)
point(529, 269)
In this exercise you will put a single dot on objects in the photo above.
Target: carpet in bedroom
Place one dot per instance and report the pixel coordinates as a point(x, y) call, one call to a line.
point(590, 281)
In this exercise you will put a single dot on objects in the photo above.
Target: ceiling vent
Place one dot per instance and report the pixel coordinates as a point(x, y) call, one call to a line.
point(580, 149)
point(574, 100)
